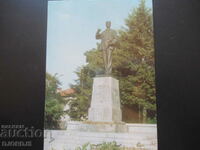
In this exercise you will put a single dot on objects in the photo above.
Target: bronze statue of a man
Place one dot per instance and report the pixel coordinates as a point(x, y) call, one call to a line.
point(108, 40)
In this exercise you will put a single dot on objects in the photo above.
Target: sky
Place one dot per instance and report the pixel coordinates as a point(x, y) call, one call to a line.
point(71, 29)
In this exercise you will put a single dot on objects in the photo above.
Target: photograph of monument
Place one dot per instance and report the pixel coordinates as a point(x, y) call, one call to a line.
point(100, 76)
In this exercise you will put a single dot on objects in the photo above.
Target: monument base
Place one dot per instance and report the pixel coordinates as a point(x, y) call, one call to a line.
point(105, 103)
point(90, 126)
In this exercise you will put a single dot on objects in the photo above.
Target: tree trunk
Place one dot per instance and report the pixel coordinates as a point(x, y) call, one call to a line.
point(144, 113)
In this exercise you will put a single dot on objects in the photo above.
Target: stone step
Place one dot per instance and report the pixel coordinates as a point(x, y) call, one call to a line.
point(144, 141)
point(75, 142)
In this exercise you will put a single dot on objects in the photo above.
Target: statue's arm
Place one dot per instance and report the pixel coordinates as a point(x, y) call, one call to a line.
point(98, 34)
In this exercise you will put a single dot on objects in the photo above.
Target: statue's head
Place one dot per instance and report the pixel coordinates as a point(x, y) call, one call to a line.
point(108, 24)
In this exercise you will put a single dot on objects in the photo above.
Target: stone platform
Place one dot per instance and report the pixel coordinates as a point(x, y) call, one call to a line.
point(90, 126)
point(145, 134)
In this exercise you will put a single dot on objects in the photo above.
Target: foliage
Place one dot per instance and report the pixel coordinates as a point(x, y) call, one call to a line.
point(108, 146)
point(83, 87)
point(136, 55)
point(103, 146)
point(152, 120)
point(54, 103)
point(84, 147)
point(133, 65)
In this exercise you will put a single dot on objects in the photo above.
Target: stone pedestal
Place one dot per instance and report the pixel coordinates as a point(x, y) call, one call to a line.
point(105, 103)
point(104, 114)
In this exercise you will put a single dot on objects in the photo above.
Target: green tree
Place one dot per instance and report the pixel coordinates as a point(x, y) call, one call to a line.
point(54, 102)
point(79, 102)
point(136, 69)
